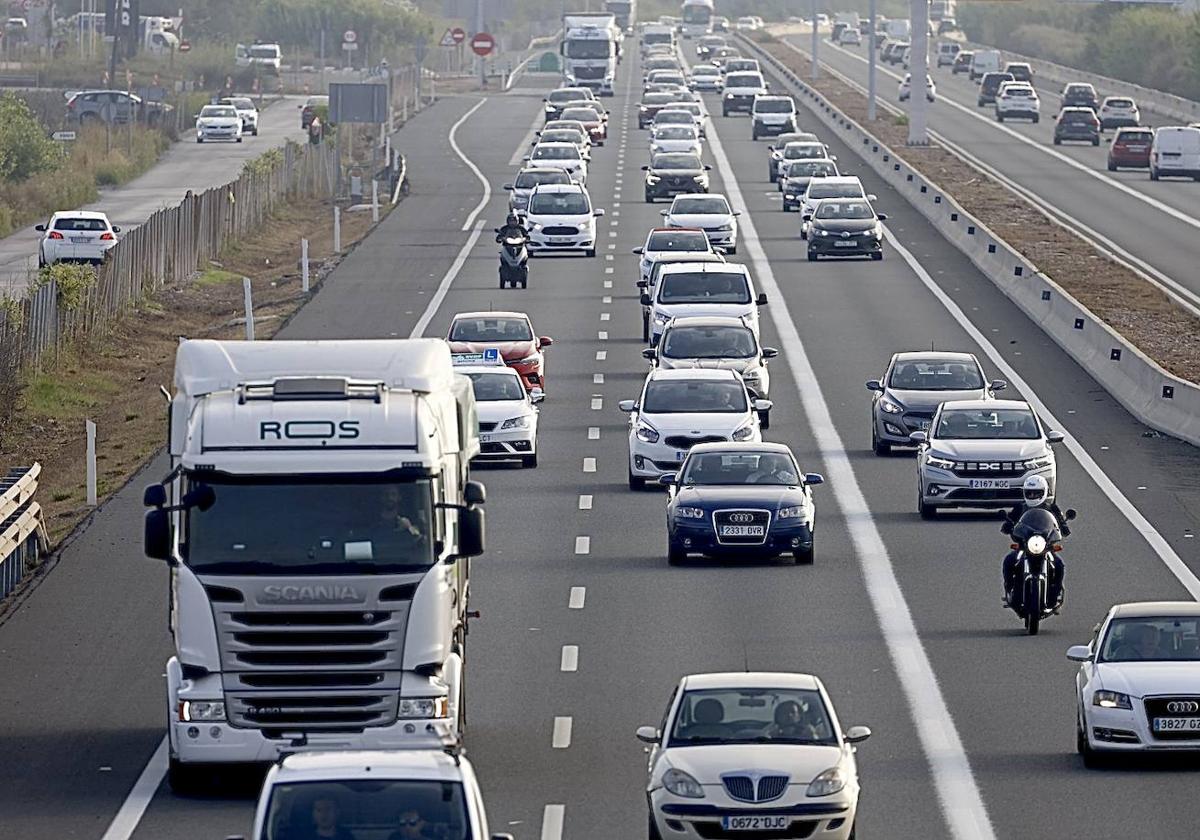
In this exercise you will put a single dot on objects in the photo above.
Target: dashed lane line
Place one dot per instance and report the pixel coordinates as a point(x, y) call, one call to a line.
point(577, 598)
point(569, 661)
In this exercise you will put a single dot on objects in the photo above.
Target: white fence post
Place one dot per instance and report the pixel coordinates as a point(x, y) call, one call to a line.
point(374, 200)
point(337, 230)
point(304, 265)
point(249, 309)
point(90, 427)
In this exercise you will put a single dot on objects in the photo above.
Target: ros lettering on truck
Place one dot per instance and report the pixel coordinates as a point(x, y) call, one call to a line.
point(308, 430)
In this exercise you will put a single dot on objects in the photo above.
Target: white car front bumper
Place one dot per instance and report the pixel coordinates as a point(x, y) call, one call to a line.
point(678, 818)
point(508, 443)
point(584, 239)
point(1128, 730)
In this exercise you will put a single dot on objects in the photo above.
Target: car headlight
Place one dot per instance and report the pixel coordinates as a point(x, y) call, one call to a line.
point(827, 782)
point(1039, 462)
point(700, 179)
point(683, 784)
point(792, 512)
point(689, 513)
point(751, 375)
point(202, 710)
point(528, 360)
point(534, 226)
point(647, 434)
point(744, 433)
point(422, 707)
point(876, 232)
point(823, 232)
point(729, 96)
point(940, 463)
point(652, 179)
point(1111, 700)
point(516, 423)
point(890, 407)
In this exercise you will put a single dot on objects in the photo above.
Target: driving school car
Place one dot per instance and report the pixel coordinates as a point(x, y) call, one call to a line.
point(508, 414)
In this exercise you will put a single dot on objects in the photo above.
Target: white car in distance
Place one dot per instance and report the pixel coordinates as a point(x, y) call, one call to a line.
point(246, 109)
point(218, 122)
point(662, 241)
point(905, 91)
point(564, 156)
point(675, 138)
point(76, 236)
point(1017, 100)
point(707, 288)
point(560, 217)
point(711, 213)
point(760, 754)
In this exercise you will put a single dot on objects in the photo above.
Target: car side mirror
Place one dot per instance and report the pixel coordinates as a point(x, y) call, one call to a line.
point(536, 395)
point(874, 385)
point(1055, 437)
point(807, 217)
point(154, 496)
point(1079, 653)
point(508, 186)
point(998, 385)
point(526, 157)
point(545, 341)
point(642, 284)
point(638, 250)
point(645, 299)
point(857, 734)
point(769, 352)
point(645, 168)
point(599, 212)
point(763, 405)
point(664, 212)
point(761, 300)
point(116, 229)
point(650, 353)
point(39, 227)
point(668, 479)
point(919, 437)
point(708, 167)
point(647, 734)
point(814, 478)
point(833, 157)
point(627, 405)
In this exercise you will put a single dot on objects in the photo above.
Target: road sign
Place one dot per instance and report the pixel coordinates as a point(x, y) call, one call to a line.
point(483, 43)
point(349, 46)
point(459, 34)
point(63, 136)
point(448, 39)
point(349, 36)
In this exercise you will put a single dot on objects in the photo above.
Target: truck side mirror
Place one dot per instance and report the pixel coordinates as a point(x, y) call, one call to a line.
point(154, 496)
point(474, 493)
point(470, 530)
point(156, 534)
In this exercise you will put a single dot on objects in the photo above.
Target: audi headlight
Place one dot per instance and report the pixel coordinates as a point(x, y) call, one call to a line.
point(683, 784)
point(940, 463)
point(827, 782)
point(647, 434)
point(890, 407)
point(792, 512)
point(1111, 700)
point(1039, 462)
point(202, 710)
point(516, 423)
point(689, 513)
point(744, 433)
point(423, 707)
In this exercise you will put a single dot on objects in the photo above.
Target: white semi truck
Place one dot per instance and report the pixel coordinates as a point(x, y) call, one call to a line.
point(318, 521)
point(625, 12)
point(591, 47)
point(697, 18)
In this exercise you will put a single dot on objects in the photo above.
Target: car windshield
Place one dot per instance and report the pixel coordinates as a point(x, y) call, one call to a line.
point(1080, 90)
point(493, 387)
point(988, 424)
point(707, 205)
point(704, 287)
point(78, 224)
point(673, 117)
point(743, 80)
point(584, 115)
point(677, 240)
point(561, 135)
point(794, 151)
point(1155, 639)
point(489, 330)
point(1134, 137)
point(360, 808)
point(935, 375)
point(752, 716)
point(556, 153)
point(705, 70)
point(271, 51)
point(769, 468)
point(218, 111)
point(310, 525)
point(658, 98)
point(774, 106)
point(850, 210)
point(564, 95)
point(559, 204)
point(725, 342)
point(675, 132)
point(818, 189)
point(241, 102)
point(811, 169)
point(529, 180)
point(694, 396)
point(676, 161)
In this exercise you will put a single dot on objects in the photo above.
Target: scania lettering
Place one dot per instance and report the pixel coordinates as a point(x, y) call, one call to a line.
point(318, 521)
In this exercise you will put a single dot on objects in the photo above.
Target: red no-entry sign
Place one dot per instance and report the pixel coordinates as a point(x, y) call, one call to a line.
point(458, 34)
point(483, 43)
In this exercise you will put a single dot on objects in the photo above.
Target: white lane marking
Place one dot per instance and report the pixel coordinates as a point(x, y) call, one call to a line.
point(606, 299)
point(608, 284)
point(552, 822)
point(612, 234)
point(487, 188)
point(597, 403)
point(1149, 533)
point(583, 545)
point(569, 661)
point(585, 501)
point(448, 278)
point(608, 257)
point(608, 270)
point(597, 378)
point(604, 316)
point(602, 335)
point(616, 204)
point(561, 739)
point(578, 597)
point(593, 433)
point(616, 214)
point(589, 465)
point(138, 800)
point(962, 804)
point(601, 355)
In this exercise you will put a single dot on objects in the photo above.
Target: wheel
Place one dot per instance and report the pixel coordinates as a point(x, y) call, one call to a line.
point(239, 139)
point(675, 556)
point(999, 117)
point(255, 131)
point(927, 511)
point(649, 198)
point(877, 256)
point(754, 134)
point(524, 284)
point(645, 326)
point(806, 558)
point(880, 447)
point(803, 232)
point(590, 252)
point(199, 139)
point(1092, 759)
point(787, 208)
point(636, 482)
point(1095, 141)
point(652, 833)
point(1112, 167)
point(529, 461)
point(503, 282)
point(724, 111)
point(772, 174)
point(1036, 119)
point(1057, 141)
point(187, 779)
point(812, 256)
point(1033, 623)
point(731, 249)
point(1153, 174)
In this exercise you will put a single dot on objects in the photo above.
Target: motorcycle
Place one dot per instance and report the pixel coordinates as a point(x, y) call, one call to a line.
point(1036, 537)
point(514, 261)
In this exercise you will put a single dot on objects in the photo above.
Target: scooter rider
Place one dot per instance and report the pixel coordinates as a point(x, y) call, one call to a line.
point(1036, 493)
point(512, 227)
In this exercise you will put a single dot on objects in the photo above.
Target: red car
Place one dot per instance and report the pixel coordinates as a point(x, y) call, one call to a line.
point(509, 332)
point(593, 117)
point(1130, 147)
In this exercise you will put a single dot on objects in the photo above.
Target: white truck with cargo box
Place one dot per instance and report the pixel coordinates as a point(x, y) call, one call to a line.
point(591, 47)
point(317, 519)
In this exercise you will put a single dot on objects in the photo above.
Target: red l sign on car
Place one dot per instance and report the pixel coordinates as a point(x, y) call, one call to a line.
point(483, 43)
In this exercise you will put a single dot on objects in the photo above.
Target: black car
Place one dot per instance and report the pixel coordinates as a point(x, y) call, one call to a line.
point(797, 175)
point(989, 86)
point(1077, 124)
point(671, 173)
point(1021, 71)
point(845, 227)
point(745, 500)
point(1080, 95)
point(556, 100)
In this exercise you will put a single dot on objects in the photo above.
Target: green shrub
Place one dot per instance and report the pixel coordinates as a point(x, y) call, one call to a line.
point(72, 280)
point(25, 150)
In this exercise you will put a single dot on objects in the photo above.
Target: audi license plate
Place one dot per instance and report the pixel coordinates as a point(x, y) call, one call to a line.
point(775, 823)
point(989, 484)
point(849, 243)
point(743, 530)
point(485, 438)
point(1174, 724)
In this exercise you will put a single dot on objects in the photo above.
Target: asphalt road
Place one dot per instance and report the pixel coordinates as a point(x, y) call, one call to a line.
point(187, 165)
point(901, 618)
point(1153, 222)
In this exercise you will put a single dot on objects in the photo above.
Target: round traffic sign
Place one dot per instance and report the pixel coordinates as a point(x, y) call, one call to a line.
point(349, 36)
point(483, 43)
point(458, 34)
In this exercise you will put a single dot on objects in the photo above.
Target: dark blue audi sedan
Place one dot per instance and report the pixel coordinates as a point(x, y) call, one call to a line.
point(740, 500)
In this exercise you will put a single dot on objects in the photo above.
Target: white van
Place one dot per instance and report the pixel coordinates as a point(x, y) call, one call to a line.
point(984, 61)
point(947, 51)
point(1175, 152)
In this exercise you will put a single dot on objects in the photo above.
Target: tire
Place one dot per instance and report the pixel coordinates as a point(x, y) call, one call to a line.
point(806, 558)
point(652, 833)
point(877, 256)
point(787, 208)
point(636, 482)
point(772, 175)
point(1096, 141)
point(1092, 759)
point(812, 256)
point(239, 139)
point(1036, 119)
point(879, 447)
point(928, 512)
point(255, 131)
point(199, 139)
point(754, 134)
point(529, 461)
point(1057, 141)
point(187, 779)
point(1153, 174)
point(1033, 618)
point(645, 327)
point(503, 282)
point(590, 252)
point(731, 249)
point(1112, 167)
point(724, 111)
point(999, 118)
point(675, 556)
point(649, 198)
point(524, 284)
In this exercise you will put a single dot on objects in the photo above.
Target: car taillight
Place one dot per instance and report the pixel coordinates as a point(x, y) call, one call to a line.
point(107, 237)
point(54, 235)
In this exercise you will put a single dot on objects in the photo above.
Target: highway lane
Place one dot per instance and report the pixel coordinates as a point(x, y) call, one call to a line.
point(1072, 177)
point(186, 165)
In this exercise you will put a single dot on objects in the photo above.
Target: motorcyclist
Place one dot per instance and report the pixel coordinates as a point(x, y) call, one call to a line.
point(512, 227)
point(1035, 492)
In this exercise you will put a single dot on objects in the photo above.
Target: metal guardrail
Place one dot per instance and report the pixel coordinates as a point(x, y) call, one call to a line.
point(23, 537)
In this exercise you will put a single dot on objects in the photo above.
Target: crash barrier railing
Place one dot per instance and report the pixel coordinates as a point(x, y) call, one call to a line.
point(23, 539)
point(1154, 396)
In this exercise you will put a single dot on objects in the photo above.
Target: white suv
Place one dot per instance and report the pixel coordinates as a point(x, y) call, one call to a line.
point(740, 89)
point(708, 288)
point(772, 115)
point(564, 156)
point(1017, 100)
point(560, 217)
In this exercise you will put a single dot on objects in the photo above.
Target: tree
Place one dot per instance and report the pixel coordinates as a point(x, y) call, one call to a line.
point(25, 150)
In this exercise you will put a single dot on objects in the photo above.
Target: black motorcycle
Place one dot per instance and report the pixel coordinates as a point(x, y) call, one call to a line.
point(1036, 537)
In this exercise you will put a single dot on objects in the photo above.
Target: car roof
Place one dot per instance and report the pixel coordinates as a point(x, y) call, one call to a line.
point(713, 266)
point(79, 214)
point(742, 446)
point(539, 170)
point(750, 679)
point(835, 180)
point(989, 404)
point(694, 373)
point(766, 96)
point(698, 195)
point(554, 144)
point(498, 313)
point(501, 369)
point(431, 764)
point(940, 355)
point(1148, 609)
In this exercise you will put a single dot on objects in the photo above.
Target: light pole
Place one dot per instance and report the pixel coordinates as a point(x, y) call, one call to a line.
point(870, 42)
point(918, 70)
point(478, 29)
point(816, 42)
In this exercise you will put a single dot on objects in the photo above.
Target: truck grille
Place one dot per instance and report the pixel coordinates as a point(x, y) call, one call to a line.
point(590, 73)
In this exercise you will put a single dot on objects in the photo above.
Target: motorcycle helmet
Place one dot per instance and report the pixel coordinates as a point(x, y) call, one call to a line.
point(1036, 491)
point(513, 220)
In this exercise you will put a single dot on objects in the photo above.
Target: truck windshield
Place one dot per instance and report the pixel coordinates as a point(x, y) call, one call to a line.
point(589, 48)
point(367, 808)
point(311, 525)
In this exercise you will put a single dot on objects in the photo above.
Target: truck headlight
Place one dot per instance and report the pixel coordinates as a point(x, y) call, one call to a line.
point(683, 784)
point(202, 710)
point(689, 513)
point(516, 423)
point(792, 512)
point(827, 782)
point(423, 707)
point(1111, 700)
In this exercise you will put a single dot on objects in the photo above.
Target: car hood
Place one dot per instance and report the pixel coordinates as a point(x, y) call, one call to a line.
point(676, 173)
point(706, 763)
point(1141, 679)
point(744, 90)
point(701, 220)
point(699, 423)
point(495, 411)
point(576, 221)
point(847, 225)
point(930, 400)
point(683, 310)
point(217, 122)
point(991, 450)
point(767, 496)
point(510, 351)
point(707, 364)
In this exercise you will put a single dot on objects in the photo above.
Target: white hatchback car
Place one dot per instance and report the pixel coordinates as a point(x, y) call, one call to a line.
point(564, 156)
point(702, 288)
point(560, 217)
point(76, 236)
point(760, 754)
point(1017, 100)
point(711, 213)
point(246, 109)
point(675, 138)
point(218, 122)
point(662, 241)
point(681, 408)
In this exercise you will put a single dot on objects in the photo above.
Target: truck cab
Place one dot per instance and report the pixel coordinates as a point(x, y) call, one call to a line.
point(591, 48)
point(318, 521)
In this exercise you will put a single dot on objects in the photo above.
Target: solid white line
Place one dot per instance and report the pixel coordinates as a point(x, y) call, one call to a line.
point(589, 465)
point(448, 278)
point(593, 433)
point(561, 739)
point(1149, 533)
point(552, 822)
point(962, 804)
point(578, 597)
point(487, 188)
point(585, 501)
point(570, 659)
point(138, 800)
point(583, 545)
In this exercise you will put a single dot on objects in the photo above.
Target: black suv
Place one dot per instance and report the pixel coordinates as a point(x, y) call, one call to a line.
point(1077, 124)
point(990, 85)
point(1080, 95)
point(671, 173)
point(1020, 70)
